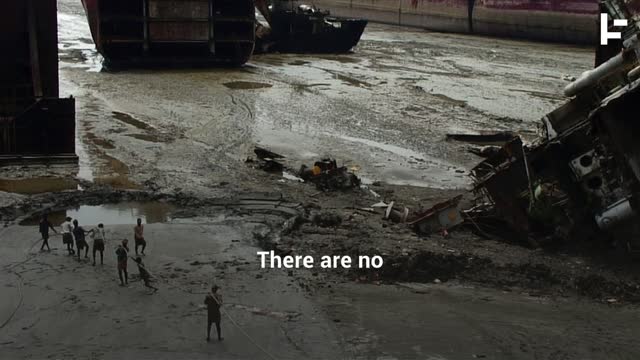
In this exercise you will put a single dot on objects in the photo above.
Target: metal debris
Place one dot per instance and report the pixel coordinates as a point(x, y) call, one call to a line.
point(328, 176)
point(494, 138)
point(397, 214)
point(582, 176)
point(442, 216)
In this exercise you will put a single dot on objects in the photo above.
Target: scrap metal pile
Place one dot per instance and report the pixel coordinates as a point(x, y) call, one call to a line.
point(325, 174)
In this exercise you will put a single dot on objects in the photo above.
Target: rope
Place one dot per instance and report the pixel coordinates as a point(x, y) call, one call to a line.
point(19, 302)
point(20, 283)
point(247, 335)
point(252, 340)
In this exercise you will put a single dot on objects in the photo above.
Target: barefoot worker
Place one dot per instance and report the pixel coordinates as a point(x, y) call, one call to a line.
point(213, 302)
point(138, 237)
point(98, 243)
point(144, 273)
point(67, 238)
point(122, 253)
point(45, 225)
point(81, 241)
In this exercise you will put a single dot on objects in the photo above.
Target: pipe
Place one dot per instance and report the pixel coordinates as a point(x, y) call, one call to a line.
point(588, 78)
point(634, 73)
point(615, 214)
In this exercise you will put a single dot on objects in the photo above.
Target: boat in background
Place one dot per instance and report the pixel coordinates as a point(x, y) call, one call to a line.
point(568, 21)
point(172, 32)
point(295, 27)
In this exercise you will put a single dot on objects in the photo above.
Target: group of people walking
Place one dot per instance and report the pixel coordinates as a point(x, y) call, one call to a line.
point(72, 233)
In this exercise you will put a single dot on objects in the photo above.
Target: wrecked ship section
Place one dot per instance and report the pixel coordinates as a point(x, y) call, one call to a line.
point(580, 180)
point(296, 27)
point(177, 32)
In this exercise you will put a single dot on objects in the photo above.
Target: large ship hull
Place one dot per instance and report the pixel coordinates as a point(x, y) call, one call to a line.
point(172, 32)
point(571, 21)
point(35, 124)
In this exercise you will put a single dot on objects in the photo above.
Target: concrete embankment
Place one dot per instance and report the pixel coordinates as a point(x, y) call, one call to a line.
point(572, 21)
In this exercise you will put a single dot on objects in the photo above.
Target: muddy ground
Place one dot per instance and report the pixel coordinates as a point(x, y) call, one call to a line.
point(170, 146)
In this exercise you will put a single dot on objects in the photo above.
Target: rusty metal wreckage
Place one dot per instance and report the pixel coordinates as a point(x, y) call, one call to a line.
point(581, 179)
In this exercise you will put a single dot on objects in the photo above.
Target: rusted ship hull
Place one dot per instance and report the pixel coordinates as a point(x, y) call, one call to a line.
point(34, 123)
point(172, 32)
point(572, 21)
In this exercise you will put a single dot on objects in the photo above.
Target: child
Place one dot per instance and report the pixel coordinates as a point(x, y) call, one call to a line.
point(144, 274)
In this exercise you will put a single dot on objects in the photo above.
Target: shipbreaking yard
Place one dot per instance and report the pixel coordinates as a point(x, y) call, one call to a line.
point(176, 147)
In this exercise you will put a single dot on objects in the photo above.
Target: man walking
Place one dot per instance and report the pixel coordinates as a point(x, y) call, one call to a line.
point(45, 225)
point(138, 237)
point(67, 238)
point(213, 302)
point(122, 252)
point(98, 243)
point(81, 242)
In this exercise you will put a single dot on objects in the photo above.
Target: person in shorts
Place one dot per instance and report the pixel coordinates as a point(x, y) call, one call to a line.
point(81, 240)
point(122, 252)
point(67, 237)
point(213, 300)
point(98, 236)
point(138, 237)
point(45, 225)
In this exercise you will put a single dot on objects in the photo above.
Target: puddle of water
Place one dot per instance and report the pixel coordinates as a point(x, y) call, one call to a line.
point(111, 214)
point(128, 119)
point(119, 179)
point(452, 101)
point(298, 63)
point(352, 81)
point(146, 137)
point(103, 143)
point(246, 85)
point(75, 42)
point(37, 185)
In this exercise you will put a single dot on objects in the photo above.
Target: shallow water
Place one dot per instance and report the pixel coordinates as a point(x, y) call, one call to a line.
point(111, 214)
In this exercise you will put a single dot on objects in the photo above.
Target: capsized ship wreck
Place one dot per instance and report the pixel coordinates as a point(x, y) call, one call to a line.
point(301, 28)
point(580, 180)
point(172, 32)
point(573, 21)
